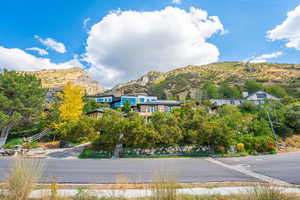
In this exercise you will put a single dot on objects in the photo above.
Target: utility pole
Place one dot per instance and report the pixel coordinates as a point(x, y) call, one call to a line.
point(272, 127)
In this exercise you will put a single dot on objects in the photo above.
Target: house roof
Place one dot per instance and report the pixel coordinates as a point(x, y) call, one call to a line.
point(261, 92)
point(103, 109)
point(99, 96)
point(224, 99)
point(162, 102)
point(99, 110)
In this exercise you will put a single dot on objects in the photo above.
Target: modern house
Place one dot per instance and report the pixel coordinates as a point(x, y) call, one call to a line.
point(259, 97)
point(118, 102)
point(147, 108)
point(98, 113)
point(143, 104)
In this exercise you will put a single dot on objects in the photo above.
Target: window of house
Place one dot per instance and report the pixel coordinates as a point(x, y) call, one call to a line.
point(152, 109)
point(261, 95)
point(169, 109)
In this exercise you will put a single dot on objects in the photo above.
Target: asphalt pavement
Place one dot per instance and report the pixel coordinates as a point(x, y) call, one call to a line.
point(132, 171)
point(285, 167)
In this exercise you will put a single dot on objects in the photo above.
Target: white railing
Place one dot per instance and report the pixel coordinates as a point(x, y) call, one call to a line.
point(38, 136)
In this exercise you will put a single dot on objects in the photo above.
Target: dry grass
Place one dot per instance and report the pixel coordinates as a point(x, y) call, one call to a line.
point(293, 141)
point(164, 187)
point(23, 178)
point(268, 193)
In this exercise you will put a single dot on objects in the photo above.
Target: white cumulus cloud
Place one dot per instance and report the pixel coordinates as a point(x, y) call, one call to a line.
point(289, 30)
point(264, 58)
point(126, 44)
point(40, 51)
point(17, 59)
point(178, 2)
point(52, 44)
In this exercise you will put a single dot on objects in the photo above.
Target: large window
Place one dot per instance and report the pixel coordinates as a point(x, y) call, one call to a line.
point(261, 95)
point(104, 99)
point(132, 100)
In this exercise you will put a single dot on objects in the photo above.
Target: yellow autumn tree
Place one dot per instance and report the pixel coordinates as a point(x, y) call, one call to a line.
point(72, 103)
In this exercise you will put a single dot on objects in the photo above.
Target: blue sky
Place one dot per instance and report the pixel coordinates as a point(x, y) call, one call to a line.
point(242, 37)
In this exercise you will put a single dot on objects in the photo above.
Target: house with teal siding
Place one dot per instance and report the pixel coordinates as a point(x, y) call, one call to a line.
point(140, 103)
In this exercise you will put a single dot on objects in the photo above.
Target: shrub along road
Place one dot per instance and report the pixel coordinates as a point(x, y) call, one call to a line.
point(285, 167)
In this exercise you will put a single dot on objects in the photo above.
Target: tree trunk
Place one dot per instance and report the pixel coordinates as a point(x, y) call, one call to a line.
point(118, 150)
point(5, 131)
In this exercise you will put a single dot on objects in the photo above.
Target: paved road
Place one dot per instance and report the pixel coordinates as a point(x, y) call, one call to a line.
point(134, 170)
point(285, 167)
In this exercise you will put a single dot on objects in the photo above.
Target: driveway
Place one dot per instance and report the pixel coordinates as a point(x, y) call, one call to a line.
point(284, 167)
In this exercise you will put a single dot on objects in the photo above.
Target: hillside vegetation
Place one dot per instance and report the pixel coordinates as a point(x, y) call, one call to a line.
point(186, 82)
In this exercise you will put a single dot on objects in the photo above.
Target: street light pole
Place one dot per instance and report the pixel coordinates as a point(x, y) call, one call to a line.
point(272, 127)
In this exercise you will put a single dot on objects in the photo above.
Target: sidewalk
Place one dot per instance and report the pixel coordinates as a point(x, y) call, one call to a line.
point(136, 193)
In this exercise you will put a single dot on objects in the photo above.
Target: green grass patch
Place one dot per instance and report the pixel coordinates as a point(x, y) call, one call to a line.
point(90, 154)
point(238, 154)
point(12, 142)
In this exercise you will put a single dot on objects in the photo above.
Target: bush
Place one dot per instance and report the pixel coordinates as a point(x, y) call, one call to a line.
point(254, 144)
point(78, 132)
point(284, 131)
point(240, 147)
point(264, 144)
point(31, 145)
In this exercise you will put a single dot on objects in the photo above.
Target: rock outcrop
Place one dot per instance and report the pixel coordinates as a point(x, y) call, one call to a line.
point(55, 79)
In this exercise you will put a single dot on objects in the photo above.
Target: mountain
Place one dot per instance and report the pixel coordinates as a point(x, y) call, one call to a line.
point(186, 82)
point(56, 79)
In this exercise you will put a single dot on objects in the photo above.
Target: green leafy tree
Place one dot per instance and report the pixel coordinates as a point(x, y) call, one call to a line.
point(139, 134)
point(249, 107)
point(112, 126)
point(293, 120)
point(21, 99)
point(80, 131)
point(227, 91)
point(90, 105)
point(215, 133)
point(127, 107)
point(260, 127)
point(236, 120)
point(277, 91)
point(190, 118)
point(167, 128)
point(252, 86)
point(211, 90)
